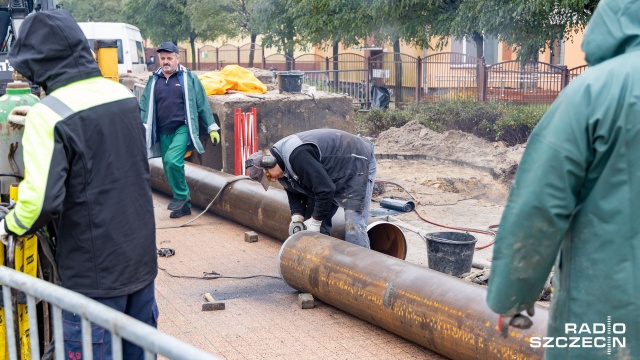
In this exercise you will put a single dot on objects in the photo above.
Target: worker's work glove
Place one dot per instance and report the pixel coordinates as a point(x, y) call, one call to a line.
point(312, 224)
point(3, 232)
point(296, 224)
point(17, 115)
point(215, 137)
point(519, 321)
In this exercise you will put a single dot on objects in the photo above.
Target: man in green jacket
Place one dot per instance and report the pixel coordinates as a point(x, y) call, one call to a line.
point(170, 106)
point(575, 199)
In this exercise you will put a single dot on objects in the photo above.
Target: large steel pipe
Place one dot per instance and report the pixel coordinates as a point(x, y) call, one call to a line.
point(440, 312)
point(246, 203)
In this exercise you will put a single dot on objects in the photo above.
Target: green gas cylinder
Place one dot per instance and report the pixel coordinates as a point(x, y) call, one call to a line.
point(18, 94)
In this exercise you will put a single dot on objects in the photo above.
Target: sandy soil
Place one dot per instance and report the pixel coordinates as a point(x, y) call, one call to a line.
point(458, 180)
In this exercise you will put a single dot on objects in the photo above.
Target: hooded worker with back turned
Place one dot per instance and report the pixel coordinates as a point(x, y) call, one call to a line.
point(574, 201)
point(87, 178)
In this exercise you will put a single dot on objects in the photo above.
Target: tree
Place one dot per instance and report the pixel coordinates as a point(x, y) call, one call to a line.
point(273, 19)
point(96, 10)
point(228, 19)
point(162, 20)
point(327, 23)
point(530, 26)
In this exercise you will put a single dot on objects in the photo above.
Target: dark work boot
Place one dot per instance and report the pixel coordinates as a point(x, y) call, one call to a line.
point(184, 210)
point(176, 204)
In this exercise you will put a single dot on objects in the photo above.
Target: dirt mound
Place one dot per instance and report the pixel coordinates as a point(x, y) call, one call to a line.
point(465, 149)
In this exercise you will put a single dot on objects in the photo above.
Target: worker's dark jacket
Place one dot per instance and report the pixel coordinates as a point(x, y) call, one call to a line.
point(85, 163)
point(576, 197)
point(343, 157)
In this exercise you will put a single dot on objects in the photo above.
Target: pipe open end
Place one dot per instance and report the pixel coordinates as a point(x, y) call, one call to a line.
point(388, 239)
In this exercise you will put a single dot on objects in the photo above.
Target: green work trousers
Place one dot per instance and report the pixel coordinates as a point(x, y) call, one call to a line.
point(174, 147)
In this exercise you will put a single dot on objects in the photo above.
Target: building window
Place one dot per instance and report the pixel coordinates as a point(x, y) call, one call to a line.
point(469, 49)
point(464, 53)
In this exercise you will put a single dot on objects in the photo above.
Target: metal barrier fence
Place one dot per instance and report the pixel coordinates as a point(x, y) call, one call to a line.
point(120, 326)
point(138, 89)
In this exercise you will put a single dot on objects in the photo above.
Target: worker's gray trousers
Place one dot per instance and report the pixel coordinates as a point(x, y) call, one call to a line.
point(355, 222)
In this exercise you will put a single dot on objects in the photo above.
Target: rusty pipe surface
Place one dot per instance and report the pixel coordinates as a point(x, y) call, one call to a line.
point(246, 203)
point(440, 312)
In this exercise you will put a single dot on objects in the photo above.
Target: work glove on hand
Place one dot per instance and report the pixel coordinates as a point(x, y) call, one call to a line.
point(296, 224)
point(17, 115)
point(215, 137)
point(312, 224)
point(519, 321)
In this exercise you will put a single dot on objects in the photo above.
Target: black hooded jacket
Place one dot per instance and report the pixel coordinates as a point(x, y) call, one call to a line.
point(50, 52)
point(85, 163)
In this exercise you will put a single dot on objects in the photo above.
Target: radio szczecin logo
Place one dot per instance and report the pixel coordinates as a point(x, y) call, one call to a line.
point(596, 335)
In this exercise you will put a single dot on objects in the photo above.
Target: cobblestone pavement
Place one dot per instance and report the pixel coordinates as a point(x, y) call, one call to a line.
point(262, 319)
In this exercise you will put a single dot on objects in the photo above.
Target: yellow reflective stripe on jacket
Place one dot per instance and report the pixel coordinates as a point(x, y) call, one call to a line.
point(87, 93)
point(38, 144)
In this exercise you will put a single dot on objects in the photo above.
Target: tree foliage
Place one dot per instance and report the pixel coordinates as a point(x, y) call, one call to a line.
point(96, 10)
point(213, 20)
point(327, 22)
point(181, 20)
point(527, 25)
point(530, 26)
point(224, 19)
point(288, 25)
point(160, 20)
point(274, 20)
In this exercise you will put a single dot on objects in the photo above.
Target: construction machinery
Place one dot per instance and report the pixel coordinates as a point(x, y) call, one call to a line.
point(11, 17)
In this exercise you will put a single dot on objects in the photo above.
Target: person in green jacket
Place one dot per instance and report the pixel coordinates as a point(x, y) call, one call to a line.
point(574, 201)
point(170, 106)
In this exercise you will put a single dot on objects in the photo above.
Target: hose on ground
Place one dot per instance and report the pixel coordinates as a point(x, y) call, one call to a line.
point(491, 230)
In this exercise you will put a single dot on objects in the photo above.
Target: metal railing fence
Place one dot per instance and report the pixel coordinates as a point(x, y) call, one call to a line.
point(351, 82)
point(120, 326)
point(534, 83)
point(450, 76)
point(440, 76)
point(573, 73)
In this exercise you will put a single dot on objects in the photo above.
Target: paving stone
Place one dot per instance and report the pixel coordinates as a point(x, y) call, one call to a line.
point(251, 236)
point(305, 301)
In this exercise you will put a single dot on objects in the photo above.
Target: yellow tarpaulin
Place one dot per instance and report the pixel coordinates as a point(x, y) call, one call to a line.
point(214, 83)
point(231, 77)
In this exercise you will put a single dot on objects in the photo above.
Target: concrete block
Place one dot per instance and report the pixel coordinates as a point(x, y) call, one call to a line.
point(250, 236)
point(305, 301)
point(279, 115)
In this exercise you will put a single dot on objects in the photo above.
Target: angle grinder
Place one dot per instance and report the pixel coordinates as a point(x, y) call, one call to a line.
point(294, 227)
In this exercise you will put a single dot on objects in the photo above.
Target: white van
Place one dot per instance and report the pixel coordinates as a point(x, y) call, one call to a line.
point(130, 47)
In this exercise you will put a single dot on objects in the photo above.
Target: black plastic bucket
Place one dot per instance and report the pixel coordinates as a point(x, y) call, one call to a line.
point(290, 81)
point(450, 252)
